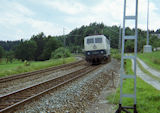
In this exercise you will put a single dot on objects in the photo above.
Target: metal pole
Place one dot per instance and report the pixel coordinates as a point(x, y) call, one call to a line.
point(120, 38)
point(64, 44)
point(64, 37)
point(148, 23)
point(122, 53)
point(135, 52)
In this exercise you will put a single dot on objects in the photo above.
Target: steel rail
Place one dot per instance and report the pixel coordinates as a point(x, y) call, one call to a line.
point(10, 101)
point(27, 74)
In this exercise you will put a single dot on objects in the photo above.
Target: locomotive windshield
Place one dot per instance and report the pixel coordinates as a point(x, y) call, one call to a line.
point(98, 40)
point(90, 41)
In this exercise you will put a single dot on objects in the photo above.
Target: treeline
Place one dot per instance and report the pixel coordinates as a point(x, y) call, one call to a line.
point(41, 47)
point(157, 31)
point(8, 45)
point(38, 48)
point(76, 37)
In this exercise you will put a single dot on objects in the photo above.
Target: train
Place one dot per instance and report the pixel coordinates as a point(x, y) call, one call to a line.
point(97, 49)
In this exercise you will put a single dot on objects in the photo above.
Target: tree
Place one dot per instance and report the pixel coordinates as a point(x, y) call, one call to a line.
point(26, 50)
point(9, 55)
point(44, 45)
point(158, 31)
point(61, 53)
point(50, 45)
point(40, 42)
point(154, 41)
point(129, 46)
point(1, 52)
point(9, 45)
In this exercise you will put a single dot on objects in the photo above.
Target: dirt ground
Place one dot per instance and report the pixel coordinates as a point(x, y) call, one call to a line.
point(102, 105)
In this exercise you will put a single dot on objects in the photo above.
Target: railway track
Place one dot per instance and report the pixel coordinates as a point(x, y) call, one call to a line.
point(9, 102)
point(23, 75)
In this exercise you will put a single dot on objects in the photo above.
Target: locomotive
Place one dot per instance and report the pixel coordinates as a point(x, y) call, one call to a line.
point(97, 49)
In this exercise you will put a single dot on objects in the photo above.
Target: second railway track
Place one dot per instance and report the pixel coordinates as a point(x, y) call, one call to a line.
point(11, 101)
point(27, 74)
point(11, 85)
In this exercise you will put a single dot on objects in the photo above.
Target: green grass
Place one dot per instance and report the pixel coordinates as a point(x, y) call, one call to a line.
point(115, 54)
point(147, 72)
point(151, 59)
point(18, 67)
point(148, 98)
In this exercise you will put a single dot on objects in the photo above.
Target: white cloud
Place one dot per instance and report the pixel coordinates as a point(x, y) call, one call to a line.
point(44, 26)
point(17, 7)
point(22, 22)
point(154, 22)
point(109, 12)
point(14, 13)
point(67, 6)
point(17, 17)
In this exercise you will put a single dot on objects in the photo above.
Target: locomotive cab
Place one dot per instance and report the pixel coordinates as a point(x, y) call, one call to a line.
point(97, 48)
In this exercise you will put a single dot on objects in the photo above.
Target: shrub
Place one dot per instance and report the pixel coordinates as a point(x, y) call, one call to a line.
point(156, 60)
point(26, 63)
point(60, 53)
point(115, 54)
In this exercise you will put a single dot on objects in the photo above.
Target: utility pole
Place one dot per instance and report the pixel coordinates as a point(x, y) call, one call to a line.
point(64, 45)
point(120, 39)
point(147, 24)
point(147, 48)
point(64, 37)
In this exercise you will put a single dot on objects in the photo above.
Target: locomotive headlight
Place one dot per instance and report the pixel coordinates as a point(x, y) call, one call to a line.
point(88, 53)
point(102, 52)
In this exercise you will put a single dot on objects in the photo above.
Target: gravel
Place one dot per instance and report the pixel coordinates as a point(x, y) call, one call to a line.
point(28, 81)
point(74, 97)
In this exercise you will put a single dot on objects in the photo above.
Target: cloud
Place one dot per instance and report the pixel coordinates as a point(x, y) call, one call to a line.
point(13, 13)
point(153, 15)
point(19, 20)
point(110, 12)
point(44, 26)
point(17, 7)
point(67, 6)
point(104, 11)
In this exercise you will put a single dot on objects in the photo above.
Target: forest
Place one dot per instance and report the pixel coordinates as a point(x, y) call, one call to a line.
point(41, 47)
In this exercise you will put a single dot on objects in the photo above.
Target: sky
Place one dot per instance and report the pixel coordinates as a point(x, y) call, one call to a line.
point(20, 19)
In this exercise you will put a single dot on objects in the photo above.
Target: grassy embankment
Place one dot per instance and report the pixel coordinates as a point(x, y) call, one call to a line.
point(151, 59)
point(147, 72)
point(18, 66)
point(147, 97)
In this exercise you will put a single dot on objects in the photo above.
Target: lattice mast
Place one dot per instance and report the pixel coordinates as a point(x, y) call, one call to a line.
point(124, 56)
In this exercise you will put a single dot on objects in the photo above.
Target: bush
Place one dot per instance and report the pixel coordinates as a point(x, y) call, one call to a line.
point(156, 60)
point(61, 53)
point(115, 54)
point(9, 55)
point(26, 63)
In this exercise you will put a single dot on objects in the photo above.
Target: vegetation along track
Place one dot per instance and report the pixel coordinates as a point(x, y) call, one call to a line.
point(16, 84)
point(11, 101)
point(23, 75)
